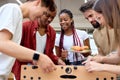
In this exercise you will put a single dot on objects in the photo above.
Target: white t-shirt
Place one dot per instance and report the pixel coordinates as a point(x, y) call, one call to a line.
point(40, 42)
point(11, 20)
point(68, 43)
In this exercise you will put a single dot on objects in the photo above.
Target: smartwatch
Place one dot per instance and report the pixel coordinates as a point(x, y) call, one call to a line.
point(36, 57)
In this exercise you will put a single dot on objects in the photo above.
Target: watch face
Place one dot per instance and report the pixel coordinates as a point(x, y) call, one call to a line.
point(36, 56)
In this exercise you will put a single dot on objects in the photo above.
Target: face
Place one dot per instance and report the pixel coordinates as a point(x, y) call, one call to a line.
point(90, 15)
point(65, 21)
point(100, 18)
point(46, 18)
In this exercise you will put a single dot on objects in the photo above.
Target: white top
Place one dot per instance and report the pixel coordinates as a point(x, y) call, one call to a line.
point(40, 42)
point(11, 20)
point(68, 43)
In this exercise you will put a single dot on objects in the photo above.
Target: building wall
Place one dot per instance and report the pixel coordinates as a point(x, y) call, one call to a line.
point(72, 5)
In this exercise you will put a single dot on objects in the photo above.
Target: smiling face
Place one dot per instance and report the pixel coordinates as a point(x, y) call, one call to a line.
point(36, 8)
point(90, 15)
point(65, 21)
point(101, 19)
point(46, 18)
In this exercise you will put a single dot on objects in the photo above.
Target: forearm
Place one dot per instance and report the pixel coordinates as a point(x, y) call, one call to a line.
point(111, 59)
point(112, 68)
point(12, 49)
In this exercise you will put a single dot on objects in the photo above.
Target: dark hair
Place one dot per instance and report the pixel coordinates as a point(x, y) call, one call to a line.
point(67, 12)
point(50, 4)
point(86, 6)
point(76, 39)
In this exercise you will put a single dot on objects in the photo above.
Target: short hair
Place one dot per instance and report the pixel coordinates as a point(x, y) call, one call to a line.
point(86, 6)
point(50, 4)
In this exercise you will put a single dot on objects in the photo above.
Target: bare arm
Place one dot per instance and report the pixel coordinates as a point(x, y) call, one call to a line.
point(63, 54)
point(112, 58)
point(87, 42)
point(57, 51)
point(94, 66)
point(10, 48)
point(112, 68)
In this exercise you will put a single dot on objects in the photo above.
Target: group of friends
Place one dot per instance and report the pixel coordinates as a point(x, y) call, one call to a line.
point(32, 42)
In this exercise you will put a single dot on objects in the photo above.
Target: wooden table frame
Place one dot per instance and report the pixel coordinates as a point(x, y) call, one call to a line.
point(63, 73)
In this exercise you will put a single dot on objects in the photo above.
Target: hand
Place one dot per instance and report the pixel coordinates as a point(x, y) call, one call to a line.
point(94, 66)
point(45, 63)
point(97, 58)
point(61, 62)
point(64, 53)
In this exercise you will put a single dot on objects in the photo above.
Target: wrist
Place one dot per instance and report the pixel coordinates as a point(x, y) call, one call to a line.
point(102, 59)
point(36, 57)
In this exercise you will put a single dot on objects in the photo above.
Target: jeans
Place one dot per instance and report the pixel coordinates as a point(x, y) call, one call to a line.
point(74, 63)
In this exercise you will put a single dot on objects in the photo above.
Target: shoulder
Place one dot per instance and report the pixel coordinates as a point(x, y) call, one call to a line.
point(11, 10)
point(10, 6)
point(81, 32)
point(29, 24)
point(51, 29)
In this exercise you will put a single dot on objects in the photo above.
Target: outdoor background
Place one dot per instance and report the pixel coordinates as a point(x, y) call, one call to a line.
point(80, 21)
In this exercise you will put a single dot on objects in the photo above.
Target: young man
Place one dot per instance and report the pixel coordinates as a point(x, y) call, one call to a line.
point(11, 16)
point(103, 37)
point(40, 36)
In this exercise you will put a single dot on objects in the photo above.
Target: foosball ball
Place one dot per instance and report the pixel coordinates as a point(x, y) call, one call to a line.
point(30, 72)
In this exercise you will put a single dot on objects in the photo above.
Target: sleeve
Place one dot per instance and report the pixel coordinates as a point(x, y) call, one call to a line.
point(23, 33)
point(57, 40)
point(9, 18)
point(50, 47)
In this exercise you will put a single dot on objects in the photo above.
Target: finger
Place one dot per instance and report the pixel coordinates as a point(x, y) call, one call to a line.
point(52, 69)
point(62, 49)
point(46, 70)
point(84, 62)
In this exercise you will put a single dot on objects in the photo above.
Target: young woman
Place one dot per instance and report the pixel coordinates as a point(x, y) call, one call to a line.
point(69, 37)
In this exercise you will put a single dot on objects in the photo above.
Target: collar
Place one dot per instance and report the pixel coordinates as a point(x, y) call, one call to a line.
point(36, 25)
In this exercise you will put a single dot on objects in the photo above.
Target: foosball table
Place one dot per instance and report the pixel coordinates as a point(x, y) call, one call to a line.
point(31, 72)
